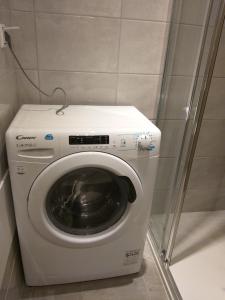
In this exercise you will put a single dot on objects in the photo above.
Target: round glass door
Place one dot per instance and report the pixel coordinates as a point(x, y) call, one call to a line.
point(88, 200)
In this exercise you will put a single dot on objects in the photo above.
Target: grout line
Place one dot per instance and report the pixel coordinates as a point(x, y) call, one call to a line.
point(209, 157)
point(103, 72)
point(96, 16)
point(196, 189)
point(107, 72)
point(210, 119)
point(118, 55)
point(105, 17)
point(219, 77)
point(91, 72)
point(36, 47)
point(196, 157)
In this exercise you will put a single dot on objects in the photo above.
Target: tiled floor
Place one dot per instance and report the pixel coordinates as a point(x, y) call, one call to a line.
point(198, 266)
point(146, 285)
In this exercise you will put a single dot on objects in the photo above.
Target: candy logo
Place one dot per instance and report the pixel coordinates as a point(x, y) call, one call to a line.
point(22, 137)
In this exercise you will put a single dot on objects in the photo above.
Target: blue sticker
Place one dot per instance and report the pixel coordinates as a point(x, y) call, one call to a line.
point(49, 137)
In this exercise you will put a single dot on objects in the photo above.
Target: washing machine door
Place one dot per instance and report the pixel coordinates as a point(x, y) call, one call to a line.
point(85, 199)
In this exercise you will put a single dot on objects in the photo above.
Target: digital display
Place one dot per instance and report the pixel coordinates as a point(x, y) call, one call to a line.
point(88, 139)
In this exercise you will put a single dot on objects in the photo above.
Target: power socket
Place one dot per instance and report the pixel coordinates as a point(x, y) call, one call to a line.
point(3, 30)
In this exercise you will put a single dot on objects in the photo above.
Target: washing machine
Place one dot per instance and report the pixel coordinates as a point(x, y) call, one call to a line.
point(82, 185)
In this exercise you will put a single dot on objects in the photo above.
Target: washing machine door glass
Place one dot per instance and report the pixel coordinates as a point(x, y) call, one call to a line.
point(88, 200)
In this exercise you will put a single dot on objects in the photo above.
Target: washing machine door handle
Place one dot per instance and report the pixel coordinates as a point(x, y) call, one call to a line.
point(129, 188)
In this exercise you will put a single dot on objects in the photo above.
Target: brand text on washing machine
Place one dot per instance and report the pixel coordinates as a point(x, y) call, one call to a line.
point(22, 137)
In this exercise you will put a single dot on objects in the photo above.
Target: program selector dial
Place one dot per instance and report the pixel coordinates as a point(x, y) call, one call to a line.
point(144, 141)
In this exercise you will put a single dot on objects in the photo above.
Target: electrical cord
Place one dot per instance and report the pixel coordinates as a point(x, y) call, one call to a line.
point(58, 111)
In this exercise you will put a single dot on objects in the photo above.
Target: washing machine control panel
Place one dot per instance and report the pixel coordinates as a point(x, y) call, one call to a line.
point(138, 142)
point(48, 146)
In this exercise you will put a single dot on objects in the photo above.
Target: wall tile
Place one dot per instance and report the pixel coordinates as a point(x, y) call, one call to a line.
point(215, 106)
point(211, 141)
point(165, 173)
point(8, 107)
point(141, 91)
point(172, 136)
point(6, 64)
point(5, 15)
point(207, 172)
point(8, 94)
point(6, 114)
point(194, 12)
point(146, 9)
point(177, 97)
point(160, 201)
point(90, 44)
point(4, 4)
point(110, 8)
point(204, 199)
point(142, 46)
point(24, 5)
point(27, 94)
point(82, 88)
point(187, 48)
point(24, 38)
point(219, 69)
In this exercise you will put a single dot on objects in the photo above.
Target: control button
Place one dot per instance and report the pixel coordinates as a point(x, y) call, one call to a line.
point(144, 141)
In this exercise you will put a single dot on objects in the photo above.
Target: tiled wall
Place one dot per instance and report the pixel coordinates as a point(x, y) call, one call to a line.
point(207, 184)
point(100, 51)
point(184, 48)
point(8, 107)
point(8, 97)
point(206, 190)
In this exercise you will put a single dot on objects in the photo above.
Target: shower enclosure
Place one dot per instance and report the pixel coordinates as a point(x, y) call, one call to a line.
point(190, 185)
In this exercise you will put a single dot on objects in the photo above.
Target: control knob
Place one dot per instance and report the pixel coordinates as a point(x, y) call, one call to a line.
point(144, 141)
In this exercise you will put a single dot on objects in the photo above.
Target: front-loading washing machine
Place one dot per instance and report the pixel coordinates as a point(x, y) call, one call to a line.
point(82, 186)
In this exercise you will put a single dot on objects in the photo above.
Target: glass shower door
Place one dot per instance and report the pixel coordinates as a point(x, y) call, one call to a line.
point(190, 33)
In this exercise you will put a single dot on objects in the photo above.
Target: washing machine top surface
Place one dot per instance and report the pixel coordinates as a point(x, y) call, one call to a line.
point(82, 118)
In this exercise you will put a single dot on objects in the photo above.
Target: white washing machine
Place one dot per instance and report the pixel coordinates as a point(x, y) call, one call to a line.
point(82, 185)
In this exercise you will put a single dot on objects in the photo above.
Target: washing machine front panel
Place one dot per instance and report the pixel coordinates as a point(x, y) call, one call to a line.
point(84, 199)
